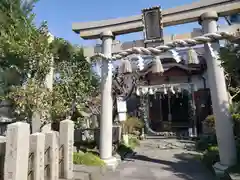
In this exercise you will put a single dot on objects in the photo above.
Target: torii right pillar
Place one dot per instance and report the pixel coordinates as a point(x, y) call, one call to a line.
point(219, 95)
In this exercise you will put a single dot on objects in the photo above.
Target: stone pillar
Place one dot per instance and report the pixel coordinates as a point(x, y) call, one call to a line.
point(37, 146)
point(17, 151)
point(52, 155)
point(219, 95)
point(66, 144)
point(106, 101)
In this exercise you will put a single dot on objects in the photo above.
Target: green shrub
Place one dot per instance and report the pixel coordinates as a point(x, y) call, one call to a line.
point(204, 142)
point(201, 145)
point(133, 142)
point(211, 156)
point(213, 148)
point(234, 108)
point(88, 159)
point(209, 122)
point(124, 149)
point(132, 124)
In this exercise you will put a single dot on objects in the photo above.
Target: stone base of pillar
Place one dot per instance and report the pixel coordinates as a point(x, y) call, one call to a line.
point(220, 170)
point(111, 163)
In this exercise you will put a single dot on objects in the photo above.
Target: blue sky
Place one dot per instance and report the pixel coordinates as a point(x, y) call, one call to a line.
point(60, 14)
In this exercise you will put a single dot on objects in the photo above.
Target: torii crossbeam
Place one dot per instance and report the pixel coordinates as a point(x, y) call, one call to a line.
point(174, 16)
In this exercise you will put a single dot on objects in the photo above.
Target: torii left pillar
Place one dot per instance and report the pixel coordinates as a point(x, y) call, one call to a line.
point(106, 102)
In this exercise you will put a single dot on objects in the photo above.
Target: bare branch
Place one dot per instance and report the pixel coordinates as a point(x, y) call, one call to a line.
point(235, 94)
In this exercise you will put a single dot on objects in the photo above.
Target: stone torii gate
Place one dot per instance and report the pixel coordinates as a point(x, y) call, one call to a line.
point(207, 13)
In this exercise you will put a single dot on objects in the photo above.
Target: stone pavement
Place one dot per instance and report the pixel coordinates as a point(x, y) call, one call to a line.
point(159, 159)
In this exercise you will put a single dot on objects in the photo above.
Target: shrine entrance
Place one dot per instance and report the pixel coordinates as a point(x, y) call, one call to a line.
point(169, 111)
point(179, 110)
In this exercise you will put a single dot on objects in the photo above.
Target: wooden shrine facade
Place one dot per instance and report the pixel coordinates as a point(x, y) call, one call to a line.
point(169, 111)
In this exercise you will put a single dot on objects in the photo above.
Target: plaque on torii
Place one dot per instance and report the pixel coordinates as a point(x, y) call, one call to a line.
point(153, 27)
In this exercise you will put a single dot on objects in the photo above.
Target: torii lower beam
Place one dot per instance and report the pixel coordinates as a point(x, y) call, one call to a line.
point(174, 16)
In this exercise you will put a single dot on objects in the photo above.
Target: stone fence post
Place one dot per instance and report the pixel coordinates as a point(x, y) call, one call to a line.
point(17, 151)
point(66, 144)
point(37, 147)
point(52, 155)
point(26, 157)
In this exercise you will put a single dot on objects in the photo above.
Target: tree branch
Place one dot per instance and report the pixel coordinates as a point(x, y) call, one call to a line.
point(235, 94)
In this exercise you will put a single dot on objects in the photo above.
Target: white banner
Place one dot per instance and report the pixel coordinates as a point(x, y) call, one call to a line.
point(121, 105)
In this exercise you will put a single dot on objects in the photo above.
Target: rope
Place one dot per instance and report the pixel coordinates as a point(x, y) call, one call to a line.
point(206, 38)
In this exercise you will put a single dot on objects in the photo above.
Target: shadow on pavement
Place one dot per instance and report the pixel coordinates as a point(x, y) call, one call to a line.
point(185, 166)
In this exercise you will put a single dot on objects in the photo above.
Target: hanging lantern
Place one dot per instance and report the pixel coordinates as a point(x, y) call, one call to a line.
point(157, 65)
point(192, 57)
point(126, 66)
